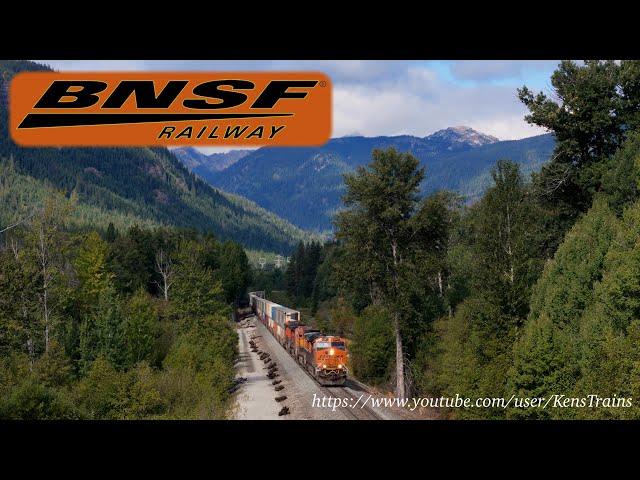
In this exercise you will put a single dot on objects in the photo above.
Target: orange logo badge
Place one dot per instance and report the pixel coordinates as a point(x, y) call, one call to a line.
point(177, 108)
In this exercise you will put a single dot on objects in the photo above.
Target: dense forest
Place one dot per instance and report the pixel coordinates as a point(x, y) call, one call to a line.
point(129, 186)
point(532, 290)
point(115, 295)
point(124, 325)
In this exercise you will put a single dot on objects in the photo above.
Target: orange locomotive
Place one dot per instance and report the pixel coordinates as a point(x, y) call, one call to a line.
point(324, 356)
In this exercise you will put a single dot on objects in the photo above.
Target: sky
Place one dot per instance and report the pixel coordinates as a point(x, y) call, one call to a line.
point(390, 97)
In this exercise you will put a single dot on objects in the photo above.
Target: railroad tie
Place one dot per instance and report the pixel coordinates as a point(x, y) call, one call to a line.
point(284, 411)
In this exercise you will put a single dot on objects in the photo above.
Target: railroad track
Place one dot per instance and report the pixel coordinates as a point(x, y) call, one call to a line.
point(352, 391)
point(361, 412)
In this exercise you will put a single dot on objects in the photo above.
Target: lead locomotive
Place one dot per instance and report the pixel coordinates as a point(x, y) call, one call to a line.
point(323, 356)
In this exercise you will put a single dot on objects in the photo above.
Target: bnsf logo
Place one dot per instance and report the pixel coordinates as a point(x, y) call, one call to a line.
point(292, 108)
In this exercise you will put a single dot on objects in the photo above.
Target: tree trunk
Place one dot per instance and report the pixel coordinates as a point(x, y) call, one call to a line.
point(400, 390)
point(32, 354)
point(400, 387)
point(46, 322)
point(44, 263)
point(511, 274)
point(164, 267)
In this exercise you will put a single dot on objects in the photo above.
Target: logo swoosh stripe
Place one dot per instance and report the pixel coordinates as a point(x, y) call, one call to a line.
point(45, 120)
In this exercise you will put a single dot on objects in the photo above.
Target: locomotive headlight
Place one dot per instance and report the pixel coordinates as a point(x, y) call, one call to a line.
point(332, 352)
point(324, 366)
point(339, 365)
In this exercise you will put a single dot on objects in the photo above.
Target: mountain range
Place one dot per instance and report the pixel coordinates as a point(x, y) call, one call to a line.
point(267, 199)
point(305, 185)
point(204, 164)
point(128, 186)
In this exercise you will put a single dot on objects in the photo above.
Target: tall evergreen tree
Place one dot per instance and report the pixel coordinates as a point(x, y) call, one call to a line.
point(505, 238)
point(91, 267)
point(140, 328)
point(608, 357)
point(500, 234)
point(196, 291)
point(234, 271)
point(593, 109)
point(111, 233)
point(379, 230)
point(294, 272)
point(558, 302)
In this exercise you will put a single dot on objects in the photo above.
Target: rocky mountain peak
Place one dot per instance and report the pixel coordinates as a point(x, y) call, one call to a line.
point(462, 136)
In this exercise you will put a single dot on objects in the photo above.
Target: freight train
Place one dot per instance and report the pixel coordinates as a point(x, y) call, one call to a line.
point(323, 356)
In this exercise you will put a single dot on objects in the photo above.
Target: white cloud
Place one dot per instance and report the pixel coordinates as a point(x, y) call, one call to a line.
point(354, 71)
point(392, 97)
point(420, 103)
point(487, 70)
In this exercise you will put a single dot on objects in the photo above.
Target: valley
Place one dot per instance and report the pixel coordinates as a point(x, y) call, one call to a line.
point(305, 185)
point(147, 187)
point(133, 287)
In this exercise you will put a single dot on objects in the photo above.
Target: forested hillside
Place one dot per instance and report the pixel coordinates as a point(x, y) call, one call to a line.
point(107, 309)
point(130, 186)
point(129, 325)
point(206, 165)
point(532, 291)
point(304, 185)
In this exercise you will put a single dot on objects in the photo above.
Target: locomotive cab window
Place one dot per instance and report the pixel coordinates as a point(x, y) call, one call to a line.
point(338, 345)
point(322, 345)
